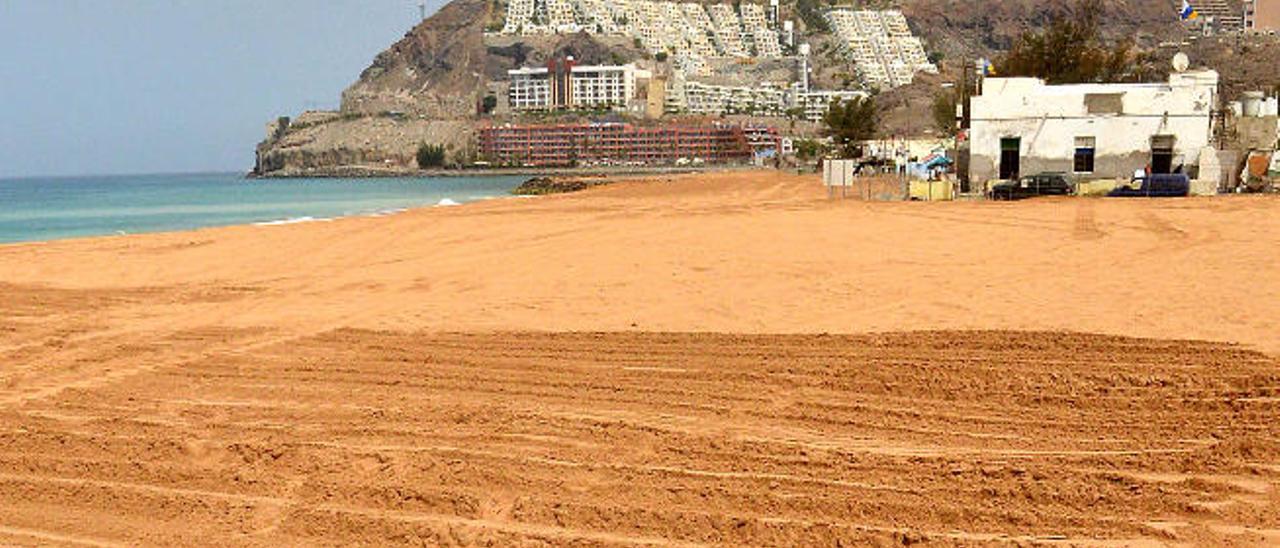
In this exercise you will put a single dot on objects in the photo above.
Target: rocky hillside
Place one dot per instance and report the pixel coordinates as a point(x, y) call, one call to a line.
point(425, 88)
point(430, 85)
point(437, 70)
point(963, 28)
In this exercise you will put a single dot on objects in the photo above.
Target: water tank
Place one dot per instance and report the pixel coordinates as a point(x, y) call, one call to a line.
point(1251, 103)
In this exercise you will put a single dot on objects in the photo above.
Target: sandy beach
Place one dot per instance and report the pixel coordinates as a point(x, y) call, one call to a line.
point(689, 360)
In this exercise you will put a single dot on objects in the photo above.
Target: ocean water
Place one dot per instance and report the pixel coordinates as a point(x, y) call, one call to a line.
point(33, 209)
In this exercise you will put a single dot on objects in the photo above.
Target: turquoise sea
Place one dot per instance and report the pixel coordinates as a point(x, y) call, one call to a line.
point(66, 207)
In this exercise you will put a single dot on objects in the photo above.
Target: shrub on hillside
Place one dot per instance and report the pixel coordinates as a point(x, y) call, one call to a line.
point(1072, 50)
point(430, 156)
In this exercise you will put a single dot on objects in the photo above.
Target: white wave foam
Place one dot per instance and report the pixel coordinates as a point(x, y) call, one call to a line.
point(386, 212)
point(291, 221)
point(446, 202)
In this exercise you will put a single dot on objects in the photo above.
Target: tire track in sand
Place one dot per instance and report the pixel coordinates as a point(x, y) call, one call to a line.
point(1086, 224)
point(1162, 228)
point(655, 438)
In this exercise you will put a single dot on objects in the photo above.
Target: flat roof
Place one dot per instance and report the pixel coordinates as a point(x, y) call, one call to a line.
point(1028, 83)
point(579, 68)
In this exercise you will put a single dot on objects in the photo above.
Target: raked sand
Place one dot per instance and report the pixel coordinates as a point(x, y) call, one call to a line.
point(724, 359)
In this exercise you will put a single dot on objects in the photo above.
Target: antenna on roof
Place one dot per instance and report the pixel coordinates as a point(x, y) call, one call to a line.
point(1181, 62)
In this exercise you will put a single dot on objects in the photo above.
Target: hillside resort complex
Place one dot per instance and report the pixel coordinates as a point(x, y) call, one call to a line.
point(1221, 16)
point(879, 44)
point(693, 39)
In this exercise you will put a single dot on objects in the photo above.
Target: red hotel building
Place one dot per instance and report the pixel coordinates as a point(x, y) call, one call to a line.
point(572, 144)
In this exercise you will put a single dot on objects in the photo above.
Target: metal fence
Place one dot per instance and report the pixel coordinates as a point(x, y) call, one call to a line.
point(844, 180)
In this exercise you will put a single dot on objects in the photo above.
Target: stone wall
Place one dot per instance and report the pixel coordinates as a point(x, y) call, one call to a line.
point(1257, 132)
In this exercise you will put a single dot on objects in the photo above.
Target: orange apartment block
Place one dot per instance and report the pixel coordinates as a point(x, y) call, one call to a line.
point(1262, 15)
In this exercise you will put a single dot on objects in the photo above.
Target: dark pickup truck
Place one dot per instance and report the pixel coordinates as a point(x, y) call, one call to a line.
point(1154, 186)
point(1042, 184)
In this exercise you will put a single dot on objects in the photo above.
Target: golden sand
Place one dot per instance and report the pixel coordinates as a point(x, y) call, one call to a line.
point(744, 253)
point(654, 363)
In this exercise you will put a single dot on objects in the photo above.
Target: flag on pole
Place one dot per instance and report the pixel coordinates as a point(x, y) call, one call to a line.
point(1188, 13)
point(988, 69)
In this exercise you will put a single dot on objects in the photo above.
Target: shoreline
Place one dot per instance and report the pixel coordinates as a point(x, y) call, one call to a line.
point(365, 172)
point(609, 177)
point(288, 221)
point(352, 209)
point(675, 257)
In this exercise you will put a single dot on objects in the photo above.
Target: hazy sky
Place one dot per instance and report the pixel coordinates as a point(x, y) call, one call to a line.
point(148, 86)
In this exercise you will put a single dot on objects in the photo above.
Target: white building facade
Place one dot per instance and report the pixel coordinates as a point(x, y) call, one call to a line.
point(690, 32)
point(767, 99)
point(816, 103)
point(530, 89)
point(590, 87)
point(881, 46)
point(1021, 126)
point(600, 86)
point(714, 100)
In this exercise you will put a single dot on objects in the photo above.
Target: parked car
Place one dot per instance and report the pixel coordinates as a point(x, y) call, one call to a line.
point(1041, 184)
point(1154, 186)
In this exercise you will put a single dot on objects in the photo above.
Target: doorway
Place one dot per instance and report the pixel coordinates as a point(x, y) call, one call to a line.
point(1162, 154)
point(1010, 157)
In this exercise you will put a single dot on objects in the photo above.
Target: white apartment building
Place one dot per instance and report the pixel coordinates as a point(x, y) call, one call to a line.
point(590, 87)
point(881, 46)
point(519, 16)
point(690, 31)
point(1021, 126)
point(605, 86)
point(755, 24)
point(561, 17)
point(715, 100)
point(530, 89)
point(690, 97)
point(727, 30)
point(817, 102)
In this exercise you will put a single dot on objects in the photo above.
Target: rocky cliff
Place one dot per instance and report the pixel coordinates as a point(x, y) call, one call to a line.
point(437, 70)
point(426, 88)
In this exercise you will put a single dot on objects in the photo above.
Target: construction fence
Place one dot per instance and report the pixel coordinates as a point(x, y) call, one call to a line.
point(846, 179)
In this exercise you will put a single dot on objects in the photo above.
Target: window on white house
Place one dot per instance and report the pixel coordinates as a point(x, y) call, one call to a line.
point(1085, 149)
